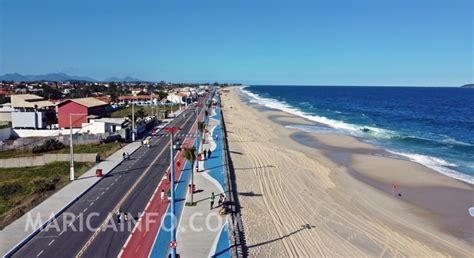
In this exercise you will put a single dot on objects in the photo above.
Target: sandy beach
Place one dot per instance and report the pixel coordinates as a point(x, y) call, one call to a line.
point(308, 194)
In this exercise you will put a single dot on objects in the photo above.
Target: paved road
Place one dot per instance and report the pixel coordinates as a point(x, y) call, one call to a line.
point(128, 186)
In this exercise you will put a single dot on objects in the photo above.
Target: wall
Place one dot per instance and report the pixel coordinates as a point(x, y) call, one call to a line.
point(71, 107)
point(27, 119)
point(6, 116)
point(45, 159)
point(29, 143)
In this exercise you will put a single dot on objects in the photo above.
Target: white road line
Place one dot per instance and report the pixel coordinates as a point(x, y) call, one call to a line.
point(107, 188)
point(51, 242)
point(92, 203)
point(62, 232)
point(85, 209)
point(102, 193)
point(97, 198)
point(39, 253)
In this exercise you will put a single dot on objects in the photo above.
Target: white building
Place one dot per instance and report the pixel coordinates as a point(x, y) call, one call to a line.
point(31, 111)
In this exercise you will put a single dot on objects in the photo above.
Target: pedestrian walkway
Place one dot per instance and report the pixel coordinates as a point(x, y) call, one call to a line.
point(19, 230)
point(151, 236)
point(203, 232)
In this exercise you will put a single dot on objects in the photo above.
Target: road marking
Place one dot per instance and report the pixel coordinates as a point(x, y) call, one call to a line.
point(92, 203)
point(85, 209)
point(102, 193)
point(136, 250)
point(39, 253)
point(119, 204)
point(107, 188)
point(62, 232)
point(51, 242)
point(97, 198)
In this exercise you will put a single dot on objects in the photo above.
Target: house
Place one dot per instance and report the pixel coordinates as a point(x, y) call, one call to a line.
point(139, 100)
point(106, 125)
point(32, 112)
point(135, 91)
point(79, 111)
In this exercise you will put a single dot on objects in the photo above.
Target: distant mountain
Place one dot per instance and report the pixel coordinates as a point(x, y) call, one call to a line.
point(43, 77)
point(468, 86)
point(124, 79)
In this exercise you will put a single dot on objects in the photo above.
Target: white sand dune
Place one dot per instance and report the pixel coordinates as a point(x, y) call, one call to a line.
point(296, 202)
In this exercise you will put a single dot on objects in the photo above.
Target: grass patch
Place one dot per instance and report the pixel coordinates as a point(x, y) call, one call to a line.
point(23, 188)
point(148, 110)
point(104, 150)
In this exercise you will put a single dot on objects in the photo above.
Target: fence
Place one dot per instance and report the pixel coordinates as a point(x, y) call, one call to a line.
point(45, 159)
point(236, 229)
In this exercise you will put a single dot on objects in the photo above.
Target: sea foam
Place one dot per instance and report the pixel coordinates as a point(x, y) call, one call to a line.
point(437, 164)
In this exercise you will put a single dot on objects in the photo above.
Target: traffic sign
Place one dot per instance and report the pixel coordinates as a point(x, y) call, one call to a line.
point(173, 244)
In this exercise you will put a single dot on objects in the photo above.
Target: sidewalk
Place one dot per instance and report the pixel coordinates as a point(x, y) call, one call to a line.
point(16, 232)
point(150, 237)
point(202, 232)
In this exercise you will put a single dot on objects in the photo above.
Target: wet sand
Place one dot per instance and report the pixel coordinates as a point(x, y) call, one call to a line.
point(311, 194)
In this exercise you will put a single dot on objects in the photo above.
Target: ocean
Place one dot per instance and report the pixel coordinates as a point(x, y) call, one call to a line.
point(428, 125)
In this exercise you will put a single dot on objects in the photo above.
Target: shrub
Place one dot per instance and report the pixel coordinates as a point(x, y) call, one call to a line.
point(9, 189)
point(48, 145)
point(42, 185)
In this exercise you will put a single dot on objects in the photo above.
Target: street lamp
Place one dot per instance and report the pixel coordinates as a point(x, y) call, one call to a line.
point(71, 148)
point(172, 131)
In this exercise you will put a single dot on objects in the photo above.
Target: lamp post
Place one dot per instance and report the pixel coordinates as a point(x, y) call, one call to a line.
point(172, 130)
point(71, 148)
point(133, 121)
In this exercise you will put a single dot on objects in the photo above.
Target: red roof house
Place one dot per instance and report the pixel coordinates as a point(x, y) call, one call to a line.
point(80, 110)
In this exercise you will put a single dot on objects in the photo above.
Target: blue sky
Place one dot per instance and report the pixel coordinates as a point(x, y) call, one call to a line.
point(326, 42)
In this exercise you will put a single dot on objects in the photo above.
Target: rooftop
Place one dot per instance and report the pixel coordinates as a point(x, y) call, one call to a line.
point(87, 102)
point(29, 101)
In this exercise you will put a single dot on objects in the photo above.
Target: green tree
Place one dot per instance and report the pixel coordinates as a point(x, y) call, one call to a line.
point(190, 154)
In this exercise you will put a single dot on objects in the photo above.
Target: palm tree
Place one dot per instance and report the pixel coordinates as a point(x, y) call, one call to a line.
point(190, 154)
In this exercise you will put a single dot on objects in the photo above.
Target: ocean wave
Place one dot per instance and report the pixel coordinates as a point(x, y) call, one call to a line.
point(453, 141)
point(440, 165)
point(356, 130)
point(434, 163)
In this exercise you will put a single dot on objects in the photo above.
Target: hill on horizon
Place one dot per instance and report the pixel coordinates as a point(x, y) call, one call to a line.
point(16, 77)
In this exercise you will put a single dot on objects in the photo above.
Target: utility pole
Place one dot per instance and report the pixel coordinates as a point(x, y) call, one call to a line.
point(133, 121)
point(71, 147)
point(71, 167)
point(172, 130)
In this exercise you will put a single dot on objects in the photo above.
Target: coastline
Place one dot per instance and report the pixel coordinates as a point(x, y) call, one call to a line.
point(342, 189)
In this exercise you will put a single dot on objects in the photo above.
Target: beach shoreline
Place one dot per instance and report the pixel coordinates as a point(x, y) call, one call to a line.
point(380, 202)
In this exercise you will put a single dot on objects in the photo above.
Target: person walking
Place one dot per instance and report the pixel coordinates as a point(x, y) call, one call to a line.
point(217, 137)
point(169, 194)
point(162, 195)
point(209, 154)
point(205, 153)
point(119, 215)
point(211, 198)
point(125, 216)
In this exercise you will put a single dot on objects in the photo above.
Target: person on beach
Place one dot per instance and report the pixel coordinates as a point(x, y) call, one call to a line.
point(205, 153)
point(209, 154)
point(211, 198)
point(162, 197)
